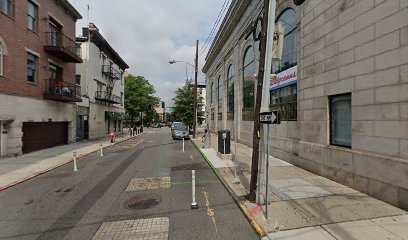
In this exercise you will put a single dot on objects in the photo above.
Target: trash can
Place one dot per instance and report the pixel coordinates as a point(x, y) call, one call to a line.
point(224, 141)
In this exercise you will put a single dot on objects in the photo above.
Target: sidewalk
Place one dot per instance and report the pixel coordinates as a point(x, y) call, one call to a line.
point(306, 206)
point(19, 169)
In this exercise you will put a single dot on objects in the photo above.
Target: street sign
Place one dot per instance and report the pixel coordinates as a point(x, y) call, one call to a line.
point(269, 117)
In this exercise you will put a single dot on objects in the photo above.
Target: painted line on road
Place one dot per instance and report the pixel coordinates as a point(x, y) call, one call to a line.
point(4, 187)
point(210, 211)
point(160, 165)
point(245, 211)
point(208, 161)
point(203, 182)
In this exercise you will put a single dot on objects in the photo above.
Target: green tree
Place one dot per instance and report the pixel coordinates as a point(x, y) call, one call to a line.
point(183, 104)
point(139, 96)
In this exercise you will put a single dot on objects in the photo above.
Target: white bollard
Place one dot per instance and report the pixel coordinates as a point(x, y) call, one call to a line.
point(101, 150)
point(183, 144)
point(194, 205)
point(75, 159)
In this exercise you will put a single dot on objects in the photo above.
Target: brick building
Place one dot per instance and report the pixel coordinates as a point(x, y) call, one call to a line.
point(37, 74)
point(341, 89)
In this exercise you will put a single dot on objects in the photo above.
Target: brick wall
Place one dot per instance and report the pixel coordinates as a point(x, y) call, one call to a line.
point(17, 37)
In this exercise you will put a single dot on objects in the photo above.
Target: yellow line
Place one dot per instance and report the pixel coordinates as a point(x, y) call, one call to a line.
point(210, 211)
point(258, 228)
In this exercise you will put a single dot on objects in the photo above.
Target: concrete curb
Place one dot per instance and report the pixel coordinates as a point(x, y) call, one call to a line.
point(57, 166)
point(243, 208)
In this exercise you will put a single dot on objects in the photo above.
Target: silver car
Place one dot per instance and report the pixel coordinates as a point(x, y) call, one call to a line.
point(180, 131)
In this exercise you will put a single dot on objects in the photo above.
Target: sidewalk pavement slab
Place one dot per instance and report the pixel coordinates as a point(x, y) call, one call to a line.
point(303, 205)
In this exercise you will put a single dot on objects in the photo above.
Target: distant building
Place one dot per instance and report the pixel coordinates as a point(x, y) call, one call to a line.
point(202, 95)
point(341, 89)
point(161, 110)
point(37, 75)
point(101, 77)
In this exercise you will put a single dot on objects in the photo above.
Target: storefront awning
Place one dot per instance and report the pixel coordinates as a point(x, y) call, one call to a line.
point(114, 115)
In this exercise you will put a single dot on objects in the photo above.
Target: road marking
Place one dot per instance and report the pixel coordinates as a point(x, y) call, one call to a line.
point(191, 157)
point(160, 164)
point(210, 211)
point(137, 143)
point(201, 182)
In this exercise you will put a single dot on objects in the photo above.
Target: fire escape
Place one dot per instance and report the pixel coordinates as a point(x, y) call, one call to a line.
point(107, 97)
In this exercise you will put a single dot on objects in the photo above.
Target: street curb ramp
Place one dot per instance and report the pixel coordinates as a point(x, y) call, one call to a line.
point(239, 202)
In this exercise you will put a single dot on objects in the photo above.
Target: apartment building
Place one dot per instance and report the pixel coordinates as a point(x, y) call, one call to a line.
point(37, 75)
point(341, 89)
point(101, 77)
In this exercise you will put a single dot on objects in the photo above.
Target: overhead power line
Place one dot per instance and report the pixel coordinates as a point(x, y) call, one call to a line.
point(217, 21)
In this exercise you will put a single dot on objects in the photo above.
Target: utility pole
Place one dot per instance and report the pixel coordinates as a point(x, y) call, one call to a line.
point(195, 93)
point(259, 89)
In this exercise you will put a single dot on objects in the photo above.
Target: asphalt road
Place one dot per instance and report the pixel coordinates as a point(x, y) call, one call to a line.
point(63, 204)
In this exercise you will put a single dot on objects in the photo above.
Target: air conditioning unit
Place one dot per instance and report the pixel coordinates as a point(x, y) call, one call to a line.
point(278, 42)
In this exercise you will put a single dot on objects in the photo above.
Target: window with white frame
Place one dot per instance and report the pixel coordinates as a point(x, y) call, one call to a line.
point(32, 16)
point(340, 120)
point(6, 7)
point(1, 60)
point(32, 62)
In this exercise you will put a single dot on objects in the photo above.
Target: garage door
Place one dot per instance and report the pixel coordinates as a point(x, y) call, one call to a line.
point(41, 135)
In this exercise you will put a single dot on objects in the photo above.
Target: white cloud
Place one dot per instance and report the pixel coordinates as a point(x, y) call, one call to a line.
point(149, 33)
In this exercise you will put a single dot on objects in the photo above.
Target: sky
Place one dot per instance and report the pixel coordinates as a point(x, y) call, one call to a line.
point(147, 34)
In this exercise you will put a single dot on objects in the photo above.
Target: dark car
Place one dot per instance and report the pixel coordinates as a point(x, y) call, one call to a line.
point(180, 131)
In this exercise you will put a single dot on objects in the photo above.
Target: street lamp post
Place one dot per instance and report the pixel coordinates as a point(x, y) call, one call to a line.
point(195, 88)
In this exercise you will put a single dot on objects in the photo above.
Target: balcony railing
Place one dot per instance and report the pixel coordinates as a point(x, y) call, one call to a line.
point(107, 97)
point(61, 91)
point(63, 47)
point(109, 71)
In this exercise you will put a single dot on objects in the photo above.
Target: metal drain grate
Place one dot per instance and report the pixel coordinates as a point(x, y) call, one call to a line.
point(139, 203)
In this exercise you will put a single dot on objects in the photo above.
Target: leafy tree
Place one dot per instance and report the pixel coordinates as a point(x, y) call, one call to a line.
point(139, 96)
point(183, 104)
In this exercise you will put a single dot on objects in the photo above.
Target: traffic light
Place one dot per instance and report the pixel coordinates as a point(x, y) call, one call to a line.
point(298, 2)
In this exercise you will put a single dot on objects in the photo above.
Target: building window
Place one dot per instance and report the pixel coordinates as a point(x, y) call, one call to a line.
point(1, 60)
point(121, 98)
point(32, 16)
point(249, 84)
point(211, 93)
point(6, 7)
point(31, 68)
point(284, 100)
point(283, 92)
point(230, 93)
point(78, 84)
point(220, 92)
point(340, 120)
point(289, 51)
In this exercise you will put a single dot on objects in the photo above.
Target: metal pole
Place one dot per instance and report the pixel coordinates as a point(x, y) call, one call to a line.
point(194, 205)
point(195, 93)
point(183, 144)
point(224, 144)
point(75, 159)
point(101, 146)
point(267, 173)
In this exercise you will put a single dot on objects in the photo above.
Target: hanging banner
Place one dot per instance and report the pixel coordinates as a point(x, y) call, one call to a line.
point(285, 78)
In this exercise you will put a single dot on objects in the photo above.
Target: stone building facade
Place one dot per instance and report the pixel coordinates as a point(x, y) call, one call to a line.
point(37, 75)
point(341, 89)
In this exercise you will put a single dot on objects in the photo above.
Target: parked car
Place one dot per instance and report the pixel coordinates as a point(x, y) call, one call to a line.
point(180, 131)
point(175, 124)
point(156, 125)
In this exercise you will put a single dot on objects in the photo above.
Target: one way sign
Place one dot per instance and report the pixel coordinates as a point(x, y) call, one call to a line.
point(269, 117)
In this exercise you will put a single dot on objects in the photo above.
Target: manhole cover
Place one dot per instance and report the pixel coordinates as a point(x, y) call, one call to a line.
point(139, 203)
